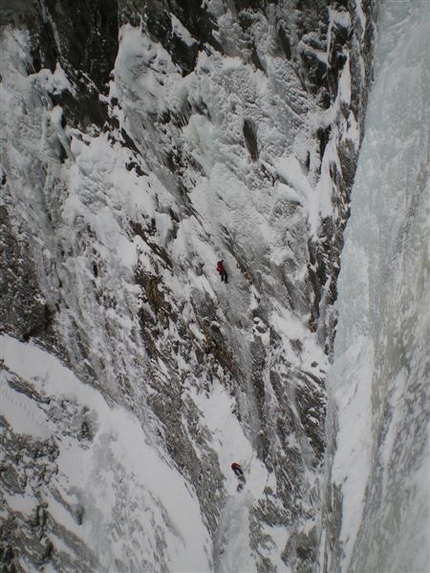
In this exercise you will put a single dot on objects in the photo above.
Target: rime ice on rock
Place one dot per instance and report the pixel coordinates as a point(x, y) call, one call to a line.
point(134, 158)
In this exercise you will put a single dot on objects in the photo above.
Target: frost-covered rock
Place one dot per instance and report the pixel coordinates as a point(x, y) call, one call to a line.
point(135, 154)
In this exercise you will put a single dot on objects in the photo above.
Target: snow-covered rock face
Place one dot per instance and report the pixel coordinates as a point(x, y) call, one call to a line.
point(135, 154)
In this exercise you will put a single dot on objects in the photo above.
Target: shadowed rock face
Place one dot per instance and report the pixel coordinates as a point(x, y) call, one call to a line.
point(82, 37)
point(22, 308)
point(65, 288)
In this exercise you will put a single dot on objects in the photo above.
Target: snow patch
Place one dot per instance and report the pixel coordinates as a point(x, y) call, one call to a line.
point(119, 471)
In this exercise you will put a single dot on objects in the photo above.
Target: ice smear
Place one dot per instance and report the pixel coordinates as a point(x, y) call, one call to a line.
point(235, 552)
point(349, 389)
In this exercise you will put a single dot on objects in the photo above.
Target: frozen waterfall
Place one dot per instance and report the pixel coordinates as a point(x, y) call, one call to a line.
point(378, 498)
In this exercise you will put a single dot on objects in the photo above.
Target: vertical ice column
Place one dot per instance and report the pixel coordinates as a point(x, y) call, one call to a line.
point(378, 384)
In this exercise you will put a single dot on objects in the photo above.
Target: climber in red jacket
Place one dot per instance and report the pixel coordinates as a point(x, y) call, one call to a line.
point(237, 469)
point(240, 476)
point(222, 272)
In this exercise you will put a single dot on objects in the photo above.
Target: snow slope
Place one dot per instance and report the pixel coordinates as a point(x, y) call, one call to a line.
point(106, 470)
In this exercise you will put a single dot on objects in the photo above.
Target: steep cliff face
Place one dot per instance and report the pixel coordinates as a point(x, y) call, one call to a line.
point(142, 142)
point(376, 501)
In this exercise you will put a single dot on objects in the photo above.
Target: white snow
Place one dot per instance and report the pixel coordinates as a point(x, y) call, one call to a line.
point(18, 410)
point(123, 482)
point(180, 31)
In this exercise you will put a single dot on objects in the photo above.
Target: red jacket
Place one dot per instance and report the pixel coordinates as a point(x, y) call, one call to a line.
point(220, 267)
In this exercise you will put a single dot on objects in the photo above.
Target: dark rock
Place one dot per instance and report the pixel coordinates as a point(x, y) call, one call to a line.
point(24, 312)
point(89, 37)
point(89, 44)
point(323, 136)
point(250, 135)
point(47, 553)
point(315, 68)
point(285, 42)
point(340, 37)
point(159, 25)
